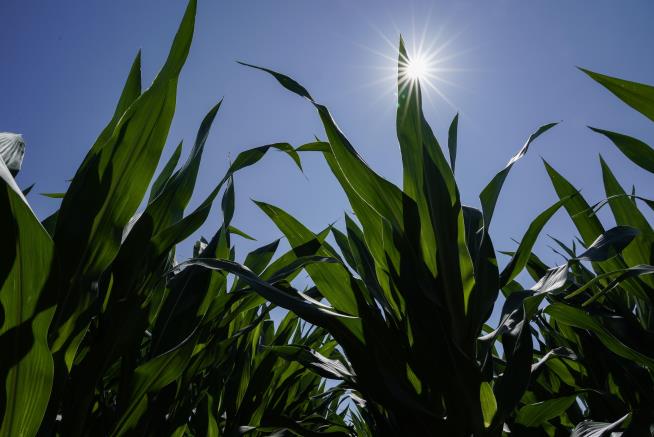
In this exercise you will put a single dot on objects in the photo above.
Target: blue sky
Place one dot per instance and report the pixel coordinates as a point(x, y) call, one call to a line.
point(511, 67)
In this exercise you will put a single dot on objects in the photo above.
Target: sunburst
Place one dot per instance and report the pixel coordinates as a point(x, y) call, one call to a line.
point(428, 63)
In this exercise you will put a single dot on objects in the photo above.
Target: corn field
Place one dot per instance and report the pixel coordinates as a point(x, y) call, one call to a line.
point(104, 332)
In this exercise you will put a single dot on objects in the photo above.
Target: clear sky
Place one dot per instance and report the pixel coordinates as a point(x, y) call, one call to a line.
point(509, 67)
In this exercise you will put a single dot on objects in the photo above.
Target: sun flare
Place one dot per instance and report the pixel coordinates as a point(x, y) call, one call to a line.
point(417, 68)
point(426, 63)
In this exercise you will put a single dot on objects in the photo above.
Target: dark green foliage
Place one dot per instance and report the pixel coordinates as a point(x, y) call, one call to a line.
point(104, 332)
point(602, 313)
point(419, 274)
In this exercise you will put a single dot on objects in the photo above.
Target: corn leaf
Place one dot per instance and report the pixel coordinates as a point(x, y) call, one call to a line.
point(26, 369)
point(637, 95)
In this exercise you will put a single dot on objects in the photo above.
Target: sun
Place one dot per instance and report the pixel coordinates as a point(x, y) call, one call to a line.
point(417, 68)
point(425, 62)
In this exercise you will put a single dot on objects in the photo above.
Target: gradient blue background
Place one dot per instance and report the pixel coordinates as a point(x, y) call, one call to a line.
point(513, 69)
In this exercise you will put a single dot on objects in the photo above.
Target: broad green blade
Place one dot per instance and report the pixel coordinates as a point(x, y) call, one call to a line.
point(637, 151)
point(312, 311)
point(641, 271)
point(589, 226)
point(518, 311)
point(118, 169)
point(184, 227)
point(486, 289)
point(149, 378)
point(637, 95)
point(137, 253)
point(488, 403)
point(626, 213)
point(369, 194)
point(532, 415)
point(165, 174)
point(331, 279)
point(609, 244)
point(109, 186)
point(131, 92)
point(577, 318)
point(26, 296)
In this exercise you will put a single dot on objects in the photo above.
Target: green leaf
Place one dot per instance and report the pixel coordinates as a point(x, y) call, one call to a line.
point(580, 319)
point(111, 183)
point(452, 140)
point(184, 227)
point(27, 190)
point(517, 313)
point(131, 92)
point(488, 403)
point(522, 255)
point(554, 353)
point(236, 231)
point(609, 244)
point(637, 151)
point(304, 306)
point(331, 279)
point(491, 192)
point(532, 415)
point(325, 367)
point(26, 367)
point(150, 377)
point(285, 81)
point(626, 213)
point(353, 173)
point(589, 226)
point(631, 272)
point(637, 95)
point(54, 195)
point(166, 172)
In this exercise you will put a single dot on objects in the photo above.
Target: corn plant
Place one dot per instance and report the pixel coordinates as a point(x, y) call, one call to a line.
point(104, 333)
point(413, 281)
point(599, 324)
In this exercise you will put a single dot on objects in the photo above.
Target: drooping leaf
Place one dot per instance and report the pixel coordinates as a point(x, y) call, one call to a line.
point(631, 272)
point(331, 279)
point(328, 368)
point(491, 192)
point(637, 151)
point(577, 318)
point(589, 428)
point(609, 244)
